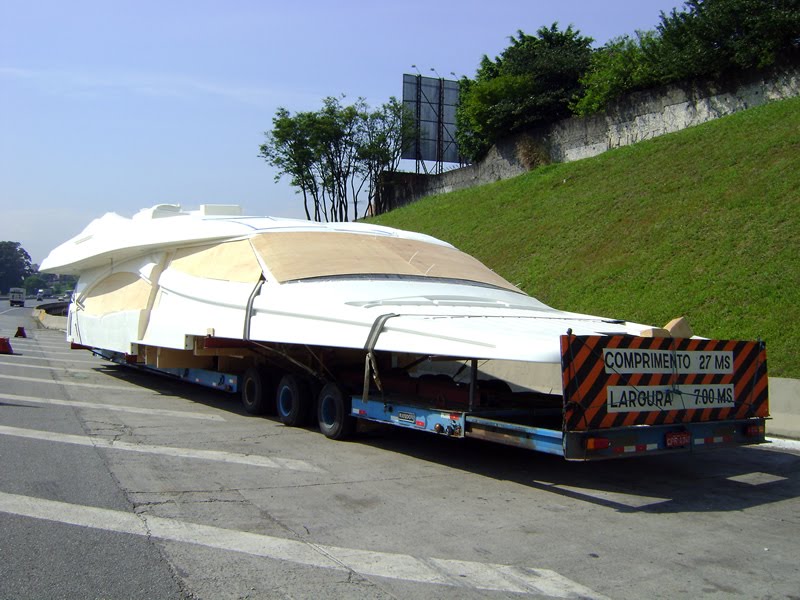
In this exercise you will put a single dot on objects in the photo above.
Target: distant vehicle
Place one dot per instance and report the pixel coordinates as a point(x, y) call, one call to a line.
point(16, 297)
point(43, 293)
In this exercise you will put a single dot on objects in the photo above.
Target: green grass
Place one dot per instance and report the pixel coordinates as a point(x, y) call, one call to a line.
point(703, 223)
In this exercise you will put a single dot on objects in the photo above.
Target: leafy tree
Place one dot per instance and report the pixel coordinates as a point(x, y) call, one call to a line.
point(15, 265)
point(289, 149)
point(65, 284)
point(335, 154)
point(34, 282)
point(707, 39)
point(336, 139)
point(624, 64)
point(384, 135)
point(711, 37)
point(529, 84)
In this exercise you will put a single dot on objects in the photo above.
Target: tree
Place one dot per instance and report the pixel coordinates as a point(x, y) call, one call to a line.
point(708, 39)
point(623, 65)
point(335, 154)
point(385, 132)
point(288, 148)
point(34, 282)
point(15, 265)
point(531, 83)
point(336, 139)
point(712, 37)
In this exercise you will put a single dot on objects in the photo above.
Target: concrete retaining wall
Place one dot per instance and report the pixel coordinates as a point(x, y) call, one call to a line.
point(784, 406)
point(639, 116)
point(49, 321)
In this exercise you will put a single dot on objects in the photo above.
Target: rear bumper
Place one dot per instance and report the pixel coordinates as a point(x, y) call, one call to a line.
point(660, 439)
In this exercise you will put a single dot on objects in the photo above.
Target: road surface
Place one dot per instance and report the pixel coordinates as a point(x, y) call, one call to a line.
point(117, 484)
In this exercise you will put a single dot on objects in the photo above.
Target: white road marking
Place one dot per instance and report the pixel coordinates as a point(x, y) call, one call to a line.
point(100, 386)
point(129, 409)
point(58, 369)
point(19, 357)
point(757, 478)
point(214, 455)
point(42, 342)
point(39, 351)
point(439, 571)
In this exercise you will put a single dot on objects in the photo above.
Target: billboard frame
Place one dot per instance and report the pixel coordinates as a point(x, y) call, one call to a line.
point(431, 102)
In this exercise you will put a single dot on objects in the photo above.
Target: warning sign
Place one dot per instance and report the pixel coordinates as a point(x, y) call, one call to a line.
point(629, 360)
point(629, 398)
point(616, 381)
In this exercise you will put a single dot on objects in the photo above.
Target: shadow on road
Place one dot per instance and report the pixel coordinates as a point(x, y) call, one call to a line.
point(727, 479)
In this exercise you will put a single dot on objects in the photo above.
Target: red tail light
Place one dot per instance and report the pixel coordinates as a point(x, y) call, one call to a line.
point(754, 431)
point(597, 443)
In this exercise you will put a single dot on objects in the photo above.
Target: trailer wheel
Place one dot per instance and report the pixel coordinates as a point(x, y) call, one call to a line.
point(257, 396)
point(293, 401)
point(333, 413)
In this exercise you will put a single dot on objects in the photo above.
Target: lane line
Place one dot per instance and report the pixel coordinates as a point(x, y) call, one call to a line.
point(39, 351)
point(100, 386)
point(54, 369)
point(129, 409)
point(289, 464)
point(41, 342)
point(438, 571)
point(93, 361)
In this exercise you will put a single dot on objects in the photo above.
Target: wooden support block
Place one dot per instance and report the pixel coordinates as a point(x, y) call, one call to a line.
point(655, 332)
point(679, 328)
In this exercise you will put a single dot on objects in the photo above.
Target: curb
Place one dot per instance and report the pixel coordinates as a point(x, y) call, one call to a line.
point(49, 321)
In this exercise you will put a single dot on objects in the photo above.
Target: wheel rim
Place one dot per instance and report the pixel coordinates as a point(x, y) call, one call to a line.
point(286, 400)
point(249, 392)
point(327, 411)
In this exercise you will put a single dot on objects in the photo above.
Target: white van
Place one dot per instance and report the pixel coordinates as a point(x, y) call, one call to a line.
point(16, 297)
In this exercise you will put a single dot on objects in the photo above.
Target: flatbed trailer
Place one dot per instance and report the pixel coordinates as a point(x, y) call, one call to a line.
point(622, 395)
point(338, 323)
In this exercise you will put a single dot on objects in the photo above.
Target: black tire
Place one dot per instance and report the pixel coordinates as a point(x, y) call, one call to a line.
point(293, 401)
point(333, 413)
point(258, 397)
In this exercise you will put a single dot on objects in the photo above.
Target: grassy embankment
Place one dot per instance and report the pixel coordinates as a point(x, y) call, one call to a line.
point(703, 223)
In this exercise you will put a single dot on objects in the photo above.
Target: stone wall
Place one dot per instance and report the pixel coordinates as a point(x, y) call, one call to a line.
point(639, 116)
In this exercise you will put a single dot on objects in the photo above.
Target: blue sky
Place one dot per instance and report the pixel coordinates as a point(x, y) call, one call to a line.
point(118, 105)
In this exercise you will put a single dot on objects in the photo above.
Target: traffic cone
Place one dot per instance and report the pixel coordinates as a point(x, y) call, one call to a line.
point(20, 332)
point(5, 346)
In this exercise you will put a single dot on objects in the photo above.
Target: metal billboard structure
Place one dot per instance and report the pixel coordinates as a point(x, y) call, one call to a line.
point(431, 102)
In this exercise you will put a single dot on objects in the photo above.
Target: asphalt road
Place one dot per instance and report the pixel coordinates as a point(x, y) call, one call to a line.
point(115, 484)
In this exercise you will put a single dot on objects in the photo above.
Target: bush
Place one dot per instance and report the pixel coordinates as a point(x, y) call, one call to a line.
point(708, 39)
point(619, 67)
point(529, 84)
point(712, 37)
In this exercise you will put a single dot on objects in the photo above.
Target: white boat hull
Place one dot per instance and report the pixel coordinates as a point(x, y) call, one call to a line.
point(257, 279)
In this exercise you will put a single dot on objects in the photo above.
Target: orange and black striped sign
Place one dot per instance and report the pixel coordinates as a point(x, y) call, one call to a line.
point(623, 380)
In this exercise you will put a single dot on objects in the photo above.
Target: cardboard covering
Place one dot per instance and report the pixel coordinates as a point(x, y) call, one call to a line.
point(297, 255)
point(230, 261)
point(117, 292)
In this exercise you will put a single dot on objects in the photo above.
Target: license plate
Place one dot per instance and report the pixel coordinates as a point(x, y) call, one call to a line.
point(406, 416)
point(676, 439)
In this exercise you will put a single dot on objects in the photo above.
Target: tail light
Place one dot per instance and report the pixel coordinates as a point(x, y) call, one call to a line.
point(754, 430)
point(597, 443)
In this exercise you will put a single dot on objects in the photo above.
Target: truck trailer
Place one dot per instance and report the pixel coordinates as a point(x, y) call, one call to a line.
point(339, 323)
